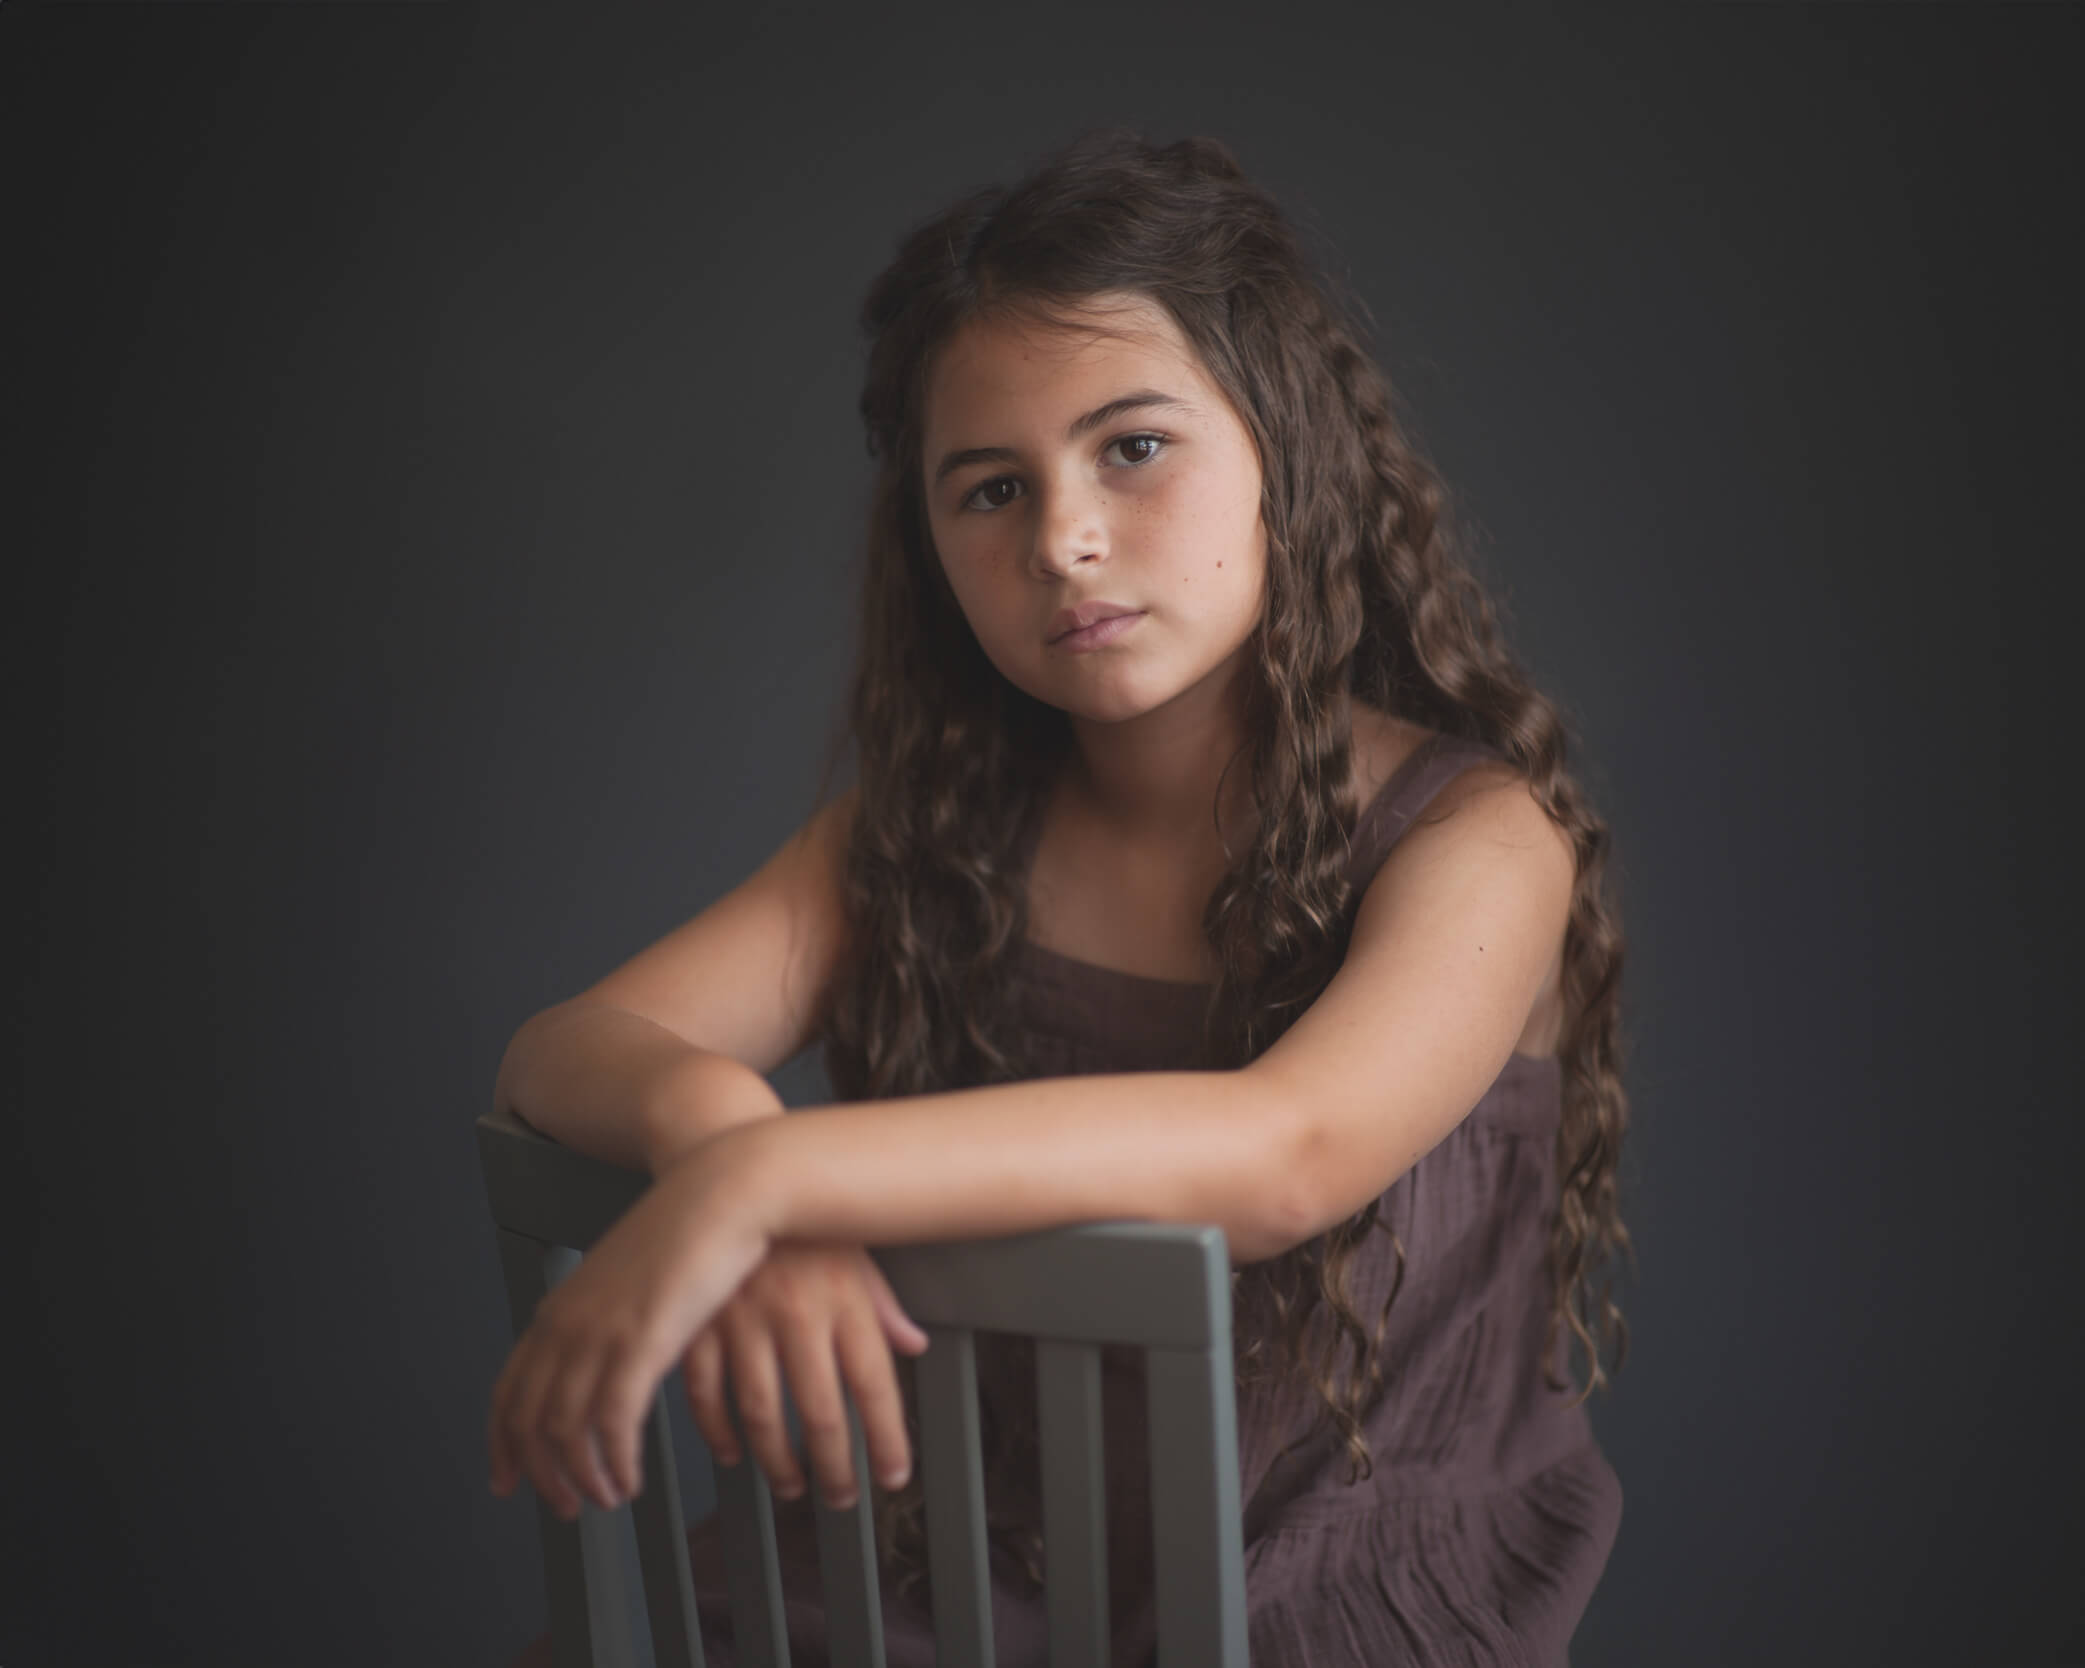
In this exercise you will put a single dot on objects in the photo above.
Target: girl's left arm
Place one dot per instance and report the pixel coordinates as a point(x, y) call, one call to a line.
point(1166, 1146)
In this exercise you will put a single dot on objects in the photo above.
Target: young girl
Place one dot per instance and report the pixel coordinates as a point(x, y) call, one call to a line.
point(1210, 861)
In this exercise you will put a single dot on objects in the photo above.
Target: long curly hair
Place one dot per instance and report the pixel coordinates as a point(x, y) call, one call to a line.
point(1365, 594)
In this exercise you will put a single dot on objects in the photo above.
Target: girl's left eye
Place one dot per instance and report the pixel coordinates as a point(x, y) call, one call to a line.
point(1157, 443)
point(1157, 440)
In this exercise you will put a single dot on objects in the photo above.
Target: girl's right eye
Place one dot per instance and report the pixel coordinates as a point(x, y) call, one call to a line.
point(971, 502)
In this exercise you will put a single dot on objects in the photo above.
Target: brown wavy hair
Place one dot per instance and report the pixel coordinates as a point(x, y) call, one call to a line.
point(1366, 594)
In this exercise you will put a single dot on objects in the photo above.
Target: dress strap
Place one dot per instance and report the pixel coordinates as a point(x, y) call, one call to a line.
point(1427, 769)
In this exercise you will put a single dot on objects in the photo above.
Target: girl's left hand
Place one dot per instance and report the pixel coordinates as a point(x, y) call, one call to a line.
point(570, 1406)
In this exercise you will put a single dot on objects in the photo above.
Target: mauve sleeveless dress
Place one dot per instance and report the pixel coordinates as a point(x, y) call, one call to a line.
point(1491, 1510)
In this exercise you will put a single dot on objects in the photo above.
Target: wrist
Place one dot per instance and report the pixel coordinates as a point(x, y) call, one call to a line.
point(702, 1097)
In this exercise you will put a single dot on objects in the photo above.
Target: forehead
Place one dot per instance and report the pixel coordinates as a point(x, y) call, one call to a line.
point(991, 366)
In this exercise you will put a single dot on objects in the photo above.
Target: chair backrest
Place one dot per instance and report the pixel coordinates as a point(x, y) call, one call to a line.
point(1160, 1287)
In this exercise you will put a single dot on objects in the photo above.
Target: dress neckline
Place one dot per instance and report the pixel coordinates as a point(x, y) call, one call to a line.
point(1178, 991)
point(1406, 769)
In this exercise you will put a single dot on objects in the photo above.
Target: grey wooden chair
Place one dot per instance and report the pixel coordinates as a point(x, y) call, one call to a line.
point(1162, 1288)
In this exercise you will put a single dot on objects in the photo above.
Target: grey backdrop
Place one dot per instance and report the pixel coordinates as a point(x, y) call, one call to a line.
point(433, 504)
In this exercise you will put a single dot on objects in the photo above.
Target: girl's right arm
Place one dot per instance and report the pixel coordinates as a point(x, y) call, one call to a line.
point(609, 1082)
point(674, 1046)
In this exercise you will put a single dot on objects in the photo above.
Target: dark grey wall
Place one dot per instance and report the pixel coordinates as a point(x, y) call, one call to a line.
point(432, 510)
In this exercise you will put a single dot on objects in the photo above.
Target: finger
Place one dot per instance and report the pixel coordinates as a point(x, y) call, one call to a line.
point(756, 1381)
point(903, 1332)
point(872, 1378)
point(529, 1388)
point(566, 1438)
point(623, 1397)
point(814, 1377)
point(559, 1430)
point(702, 1374)
point(503, 1422)
point(499, 1451)
point(504, 1449)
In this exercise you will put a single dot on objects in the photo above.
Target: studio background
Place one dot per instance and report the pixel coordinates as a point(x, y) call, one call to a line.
point(433, 516)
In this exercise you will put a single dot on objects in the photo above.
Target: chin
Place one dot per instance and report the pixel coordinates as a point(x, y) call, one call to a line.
point(1097, 694)
point(1109, 706)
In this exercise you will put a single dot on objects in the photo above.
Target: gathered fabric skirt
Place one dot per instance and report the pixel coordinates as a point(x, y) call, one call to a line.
point(1431, 1582)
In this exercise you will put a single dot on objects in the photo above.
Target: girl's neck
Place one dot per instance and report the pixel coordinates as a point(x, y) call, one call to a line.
point(1151, 782)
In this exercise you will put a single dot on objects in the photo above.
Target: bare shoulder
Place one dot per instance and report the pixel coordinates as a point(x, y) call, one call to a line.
point(1491, 804)
point(1484, 833)
point(1483, 828)
point(1382, 742)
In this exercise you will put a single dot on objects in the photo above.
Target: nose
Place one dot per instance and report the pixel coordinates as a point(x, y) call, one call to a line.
point(1070, 531)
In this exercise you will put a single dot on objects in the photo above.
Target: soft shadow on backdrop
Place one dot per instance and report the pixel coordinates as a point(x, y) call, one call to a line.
point(437, 475)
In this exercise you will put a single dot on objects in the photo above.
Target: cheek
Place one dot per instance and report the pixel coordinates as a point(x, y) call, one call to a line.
point(1208, 517)
point(994, 617)
point(1211, 560)
point(981, 601)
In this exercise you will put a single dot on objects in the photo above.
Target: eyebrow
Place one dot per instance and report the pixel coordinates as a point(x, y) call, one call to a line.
point(1143, 399)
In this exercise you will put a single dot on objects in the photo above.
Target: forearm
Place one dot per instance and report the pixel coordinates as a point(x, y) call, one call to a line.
point(1199, 1146)
point(617, 1086)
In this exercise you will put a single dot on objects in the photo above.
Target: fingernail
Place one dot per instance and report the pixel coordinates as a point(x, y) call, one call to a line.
point(895, 1477)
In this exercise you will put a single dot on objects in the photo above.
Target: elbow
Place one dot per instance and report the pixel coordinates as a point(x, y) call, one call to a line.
point(515, 1056)
point(1285, 1195)
point(1296, 1202)
point(512, 1085)
point(504, 1098)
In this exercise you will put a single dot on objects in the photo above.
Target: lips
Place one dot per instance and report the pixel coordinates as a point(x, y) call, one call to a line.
point(1085, 614)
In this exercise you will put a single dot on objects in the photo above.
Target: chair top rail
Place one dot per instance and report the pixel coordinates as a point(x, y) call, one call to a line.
point(1152, 1285)
point(541, 1188)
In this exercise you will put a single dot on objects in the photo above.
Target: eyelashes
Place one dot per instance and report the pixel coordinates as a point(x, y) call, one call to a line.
point(1159, 442)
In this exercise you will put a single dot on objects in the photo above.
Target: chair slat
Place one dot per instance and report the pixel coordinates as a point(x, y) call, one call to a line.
point(847, 1565)
point(952, 1479)
point(1195, 1510)
point(1074, 1502)
point(752, 1567)
point(662, 1550)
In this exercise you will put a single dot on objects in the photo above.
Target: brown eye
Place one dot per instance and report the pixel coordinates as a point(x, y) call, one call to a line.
point(977, 497)
point(981, 497)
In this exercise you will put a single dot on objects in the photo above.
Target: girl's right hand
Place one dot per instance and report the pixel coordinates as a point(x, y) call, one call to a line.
point(820, 1313)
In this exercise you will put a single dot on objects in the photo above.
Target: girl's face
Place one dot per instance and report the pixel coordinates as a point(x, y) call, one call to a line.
point(1046, 488)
